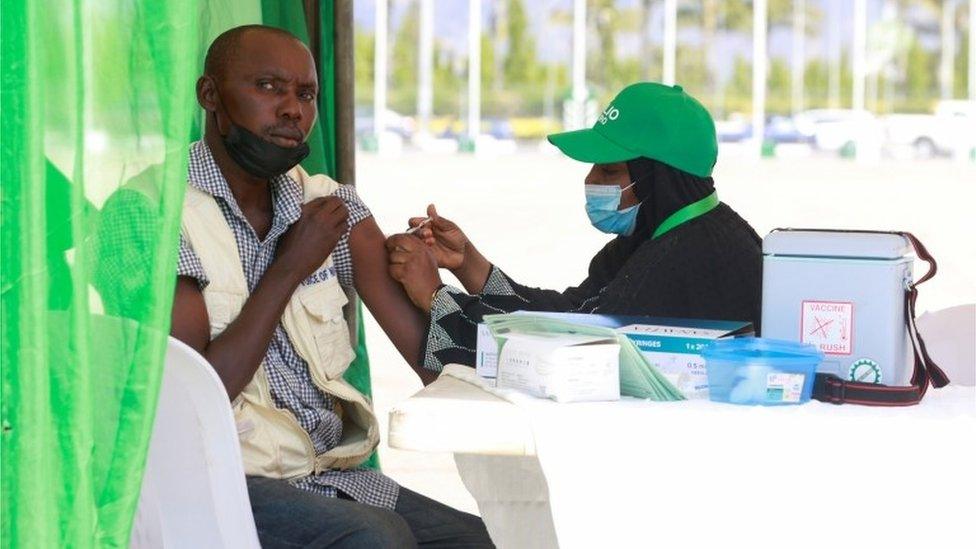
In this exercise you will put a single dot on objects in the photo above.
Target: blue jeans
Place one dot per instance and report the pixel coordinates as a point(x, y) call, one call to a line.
point(291, 517)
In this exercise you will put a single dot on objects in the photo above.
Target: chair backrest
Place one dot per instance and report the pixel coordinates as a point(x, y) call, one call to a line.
point(194, 493)
point(950, 337)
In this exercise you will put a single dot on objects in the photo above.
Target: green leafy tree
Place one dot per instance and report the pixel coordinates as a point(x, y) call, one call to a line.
point(778, 87)
point(919, 77)
point(816, 83)
point(960, 81)
point(449, 75)
point(520, 64)
point(404, 57)
point(733, 16)
point(601, 65)
point(692, 71)
point(364, 51)
point(739, 90)
point(487, 63)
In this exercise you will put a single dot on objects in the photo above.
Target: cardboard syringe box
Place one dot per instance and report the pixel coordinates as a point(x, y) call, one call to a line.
point(672, 345)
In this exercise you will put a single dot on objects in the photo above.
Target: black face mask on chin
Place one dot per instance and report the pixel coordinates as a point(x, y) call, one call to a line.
point(258, 157)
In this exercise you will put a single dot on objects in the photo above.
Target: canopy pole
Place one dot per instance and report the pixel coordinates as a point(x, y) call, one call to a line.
point(345, 126)
point(345, 78)
point(313, 24)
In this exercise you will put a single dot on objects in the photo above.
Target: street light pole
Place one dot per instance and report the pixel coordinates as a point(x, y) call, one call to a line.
point(834, 58)
point(425, 83)
point(379, 70)
point(670, 40)
point(579, 63)
point(759, 61)
point(798, 56)
point(858, 64)
point(948, 48)
point(474, 69)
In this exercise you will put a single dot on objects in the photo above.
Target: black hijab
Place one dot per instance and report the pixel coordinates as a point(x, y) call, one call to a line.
point(662, 190)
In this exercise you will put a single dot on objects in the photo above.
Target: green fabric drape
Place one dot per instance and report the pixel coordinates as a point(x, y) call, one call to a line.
point(98, 110)
point(97, 106)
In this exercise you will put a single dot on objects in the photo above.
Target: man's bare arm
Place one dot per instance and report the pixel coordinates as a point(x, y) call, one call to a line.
point(403, 323)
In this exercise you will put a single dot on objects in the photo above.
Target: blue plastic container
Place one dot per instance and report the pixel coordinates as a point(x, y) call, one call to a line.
point(770, 372)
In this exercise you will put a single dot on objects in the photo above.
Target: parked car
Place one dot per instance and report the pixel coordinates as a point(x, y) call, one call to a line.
point(500, 128)
point(778, 129)
point(733, 130)
point(836, 129)
point(395, 122)
point(783, 129)
point(952, 127)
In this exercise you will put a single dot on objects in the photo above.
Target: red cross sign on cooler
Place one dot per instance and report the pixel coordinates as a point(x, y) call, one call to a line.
point(829, 325)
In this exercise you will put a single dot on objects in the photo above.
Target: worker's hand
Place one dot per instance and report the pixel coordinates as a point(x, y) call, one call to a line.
point(310, 240)
point(412, 264)
point(444, 238)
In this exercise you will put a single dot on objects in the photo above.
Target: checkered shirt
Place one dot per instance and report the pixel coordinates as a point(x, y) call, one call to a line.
point(290, 382)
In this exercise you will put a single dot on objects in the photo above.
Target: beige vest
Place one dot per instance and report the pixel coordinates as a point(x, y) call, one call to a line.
point(272, 442)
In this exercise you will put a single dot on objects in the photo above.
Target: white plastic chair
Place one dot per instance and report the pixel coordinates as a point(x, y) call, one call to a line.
point(950, 337)
point(193, 492)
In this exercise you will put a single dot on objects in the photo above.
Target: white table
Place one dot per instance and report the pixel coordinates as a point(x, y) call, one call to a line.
point(702, 474)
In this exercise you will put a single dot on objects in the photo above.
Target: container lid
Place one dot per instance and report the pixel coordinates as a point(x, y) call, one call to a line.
point(830, 243)
point(762, 350)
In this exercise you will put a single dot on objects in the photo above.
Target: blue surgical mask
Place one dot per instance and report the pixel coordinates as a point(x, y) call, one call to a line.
point(602, 202)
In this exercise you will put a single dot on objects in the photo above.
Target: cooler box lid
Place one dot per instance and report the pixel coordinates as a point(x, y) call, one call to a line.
point(837, 244)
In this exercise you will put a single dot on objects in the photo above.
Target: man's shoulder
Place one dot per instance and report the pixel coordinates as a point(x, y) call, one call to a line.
point(313, 185)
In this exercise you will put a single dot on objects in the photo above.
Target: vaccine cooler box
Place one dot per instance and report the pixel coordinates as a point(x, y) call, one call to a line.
point(844, 293)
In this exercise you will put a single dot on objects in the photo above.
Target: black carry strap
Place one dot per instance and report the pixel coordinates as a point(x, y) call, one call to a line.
point(833, 389)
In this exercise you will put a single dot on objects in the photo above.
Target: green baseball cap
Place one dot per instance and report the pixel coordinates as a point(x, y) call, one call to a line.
point(651, 120)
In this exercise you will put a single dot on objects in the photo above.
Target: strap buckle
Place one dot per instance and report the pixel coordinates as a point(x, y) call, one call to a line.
point(830, 388)
point(838, 390)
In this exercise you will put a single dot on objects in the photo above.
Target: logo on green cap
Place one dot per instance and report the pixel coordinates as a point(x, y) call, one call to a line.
point(610, 113)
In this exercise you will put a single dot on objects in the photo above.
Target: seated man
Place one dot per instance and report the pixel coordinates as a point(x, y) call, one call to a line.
point(265, 251)
point(678, 250)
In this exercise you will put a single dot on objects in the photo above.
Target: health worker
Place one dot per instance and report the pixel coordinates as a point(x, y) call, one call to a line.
point(679, 251)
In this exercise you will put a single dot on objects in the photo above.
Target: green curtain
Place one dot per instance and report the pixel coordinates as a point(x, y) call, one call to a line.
point(98, 110)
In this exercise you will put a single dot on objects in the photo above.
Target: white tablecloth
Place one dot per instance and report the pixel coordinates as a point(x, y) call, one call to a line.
point(699, 474)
